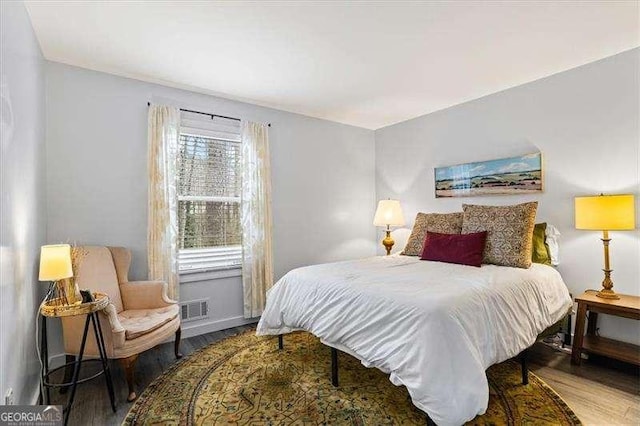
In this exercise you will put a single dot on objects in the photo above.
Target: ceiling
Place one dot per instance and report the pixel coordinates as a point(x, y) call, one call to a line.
point(369, 64)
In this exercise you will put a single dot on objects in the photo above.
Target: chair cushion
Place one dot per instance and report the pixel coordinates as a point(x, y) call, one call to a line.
point(138, 322)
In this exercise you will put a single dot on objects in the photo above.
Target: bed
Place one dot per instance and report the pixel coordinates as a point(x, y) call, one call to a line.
point(433, 327)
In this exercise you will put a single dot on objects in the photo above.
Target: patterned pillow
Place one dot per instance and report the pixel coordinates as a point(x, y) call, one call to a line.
point(509, 228)
point(442, 223)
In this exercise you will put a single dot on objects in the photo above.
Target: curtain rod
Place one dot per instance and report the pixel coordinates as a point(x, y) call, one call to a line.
point(209, 114)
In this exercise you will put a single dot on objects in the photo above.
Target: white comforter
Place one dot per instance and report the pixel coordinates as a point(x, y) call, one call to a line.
point(434, 327)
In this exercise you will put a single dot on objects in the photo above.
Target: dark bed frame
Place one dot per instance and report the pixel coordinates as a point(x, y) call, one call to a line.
point(523, 357)
point(334, 360)
point(524, 366)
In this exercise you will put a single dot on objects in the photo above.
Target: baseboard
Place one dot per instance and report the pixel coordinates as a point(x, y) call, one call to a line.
point(35, 396)
point(189, 329)
point(57, 360)
point(201, 327)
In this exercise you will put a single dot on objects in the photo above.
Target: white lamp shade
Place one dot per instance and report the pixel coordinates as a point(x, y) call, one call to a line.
point(55, 262)
point(388, 213)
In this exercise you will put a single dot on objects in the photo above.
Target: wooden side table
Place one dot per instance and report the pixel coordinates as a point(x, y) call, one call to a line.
point(627, 307)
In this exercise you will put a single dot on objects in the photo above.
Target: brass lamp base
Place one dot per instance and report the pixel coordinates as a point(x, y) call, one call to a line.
point(607, 287)
point(607, 284)
point(388, 242)
point(607, 294)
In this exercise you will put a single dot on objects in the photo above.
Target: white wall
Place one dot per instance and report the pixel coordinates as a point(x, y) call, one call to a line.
point(23, 210)
point(322, 177)
point(585, 122)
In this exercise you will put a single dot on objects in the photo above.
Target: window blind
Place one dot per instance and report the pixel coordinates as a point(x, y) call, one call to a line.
point(209, 195)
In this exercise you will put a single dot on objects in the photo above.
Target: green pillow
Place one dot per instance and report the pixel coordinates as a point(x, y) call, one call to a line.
point(540, 251)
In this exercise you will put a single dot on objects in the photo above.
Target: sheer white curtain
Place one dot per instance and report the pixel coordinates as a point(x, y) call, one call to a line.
point(162, 233)
point(257, 261)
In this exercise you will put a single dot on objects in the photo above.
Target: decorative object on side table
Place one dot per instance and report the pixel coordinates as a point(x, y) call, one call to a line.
point(388, 213)
point(605, 213)
point(624, 306)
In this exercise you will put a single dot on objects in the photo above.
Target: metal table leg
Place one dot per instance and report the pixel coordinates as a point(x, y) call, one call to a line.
point(76, 371)
point(44, 358)
point(97, 329)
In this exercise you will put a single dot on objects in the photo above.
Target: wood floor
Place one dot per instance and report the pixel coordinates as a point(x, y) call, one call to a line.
point(599, 394)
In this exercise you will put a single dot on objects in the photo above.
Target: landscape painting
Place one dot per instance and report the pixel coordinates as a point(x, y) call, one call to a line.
point(515, 175)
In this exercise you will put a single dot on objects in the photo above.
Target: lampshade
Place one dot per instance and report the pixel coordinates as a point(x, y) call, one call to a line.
point(389, 213)
point(55, 262)
point(605, 212)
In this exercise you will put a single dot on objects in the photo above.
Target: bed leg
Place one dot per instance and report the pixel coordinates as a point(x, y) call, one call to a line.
point(334, 367)
point(524, 366)
point(280, 342)
point(567, 335)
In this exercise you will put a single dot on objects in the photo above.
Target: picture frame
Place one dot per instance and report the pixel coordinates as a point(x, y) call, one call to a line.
point(504, 176)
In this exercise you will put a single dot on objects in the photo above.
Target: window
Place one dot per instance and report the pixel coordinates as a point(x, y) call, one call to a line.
point(210, 233)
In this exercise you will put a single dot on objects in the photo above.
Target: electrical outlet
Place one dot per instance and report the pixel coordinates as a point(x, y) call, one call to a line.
point(8, 397)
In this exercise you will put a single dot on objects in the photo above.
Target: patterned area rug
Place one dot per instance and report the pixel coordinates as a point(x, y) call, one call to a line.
point(246, 380)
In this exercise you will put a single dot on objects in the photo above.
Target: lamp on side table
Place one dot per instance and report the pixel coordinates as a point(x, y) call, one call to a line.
point(388, 213)
point(55, 266)
point(605, 213)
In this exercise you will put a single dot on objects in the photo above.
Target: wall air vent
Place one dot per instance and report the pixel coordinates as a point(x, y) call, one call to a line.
point(194, 310)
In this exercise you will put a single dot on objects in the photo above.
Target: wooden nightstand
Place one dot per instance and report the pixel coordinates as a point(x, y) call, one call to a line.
point(626, 306)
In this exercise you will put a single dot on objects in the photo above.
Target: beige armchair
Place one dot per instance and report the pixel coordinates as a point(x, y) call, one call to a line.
point(138, 317)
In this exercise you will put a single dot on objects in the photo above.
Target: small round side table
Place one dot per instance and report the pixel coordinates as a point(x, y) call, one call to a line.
point(53, 309)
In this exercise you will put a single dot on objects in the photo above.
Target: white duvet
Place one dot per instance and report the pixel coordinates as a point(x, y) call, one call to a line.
point(434, 327)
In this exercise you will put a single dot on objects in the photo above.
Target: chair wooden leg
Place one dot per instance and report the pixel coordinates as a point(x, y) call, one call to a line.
point(129, 366)
point(68, 372)
point(176, 344)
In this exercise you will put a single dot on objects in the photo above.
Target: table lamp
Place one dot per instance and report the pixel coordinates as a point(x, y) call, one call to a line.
point(605, 213)
point(388, 213)
point(55, 266)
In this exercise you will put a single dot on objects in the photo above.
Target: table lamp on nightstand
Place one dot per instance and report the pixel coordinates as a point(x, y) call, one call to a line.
point(388, 213)
point(605, 213)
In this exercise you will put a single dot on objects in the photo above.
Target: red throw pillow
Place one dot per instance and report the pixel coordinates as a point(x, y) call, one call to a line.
point(464, 249)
